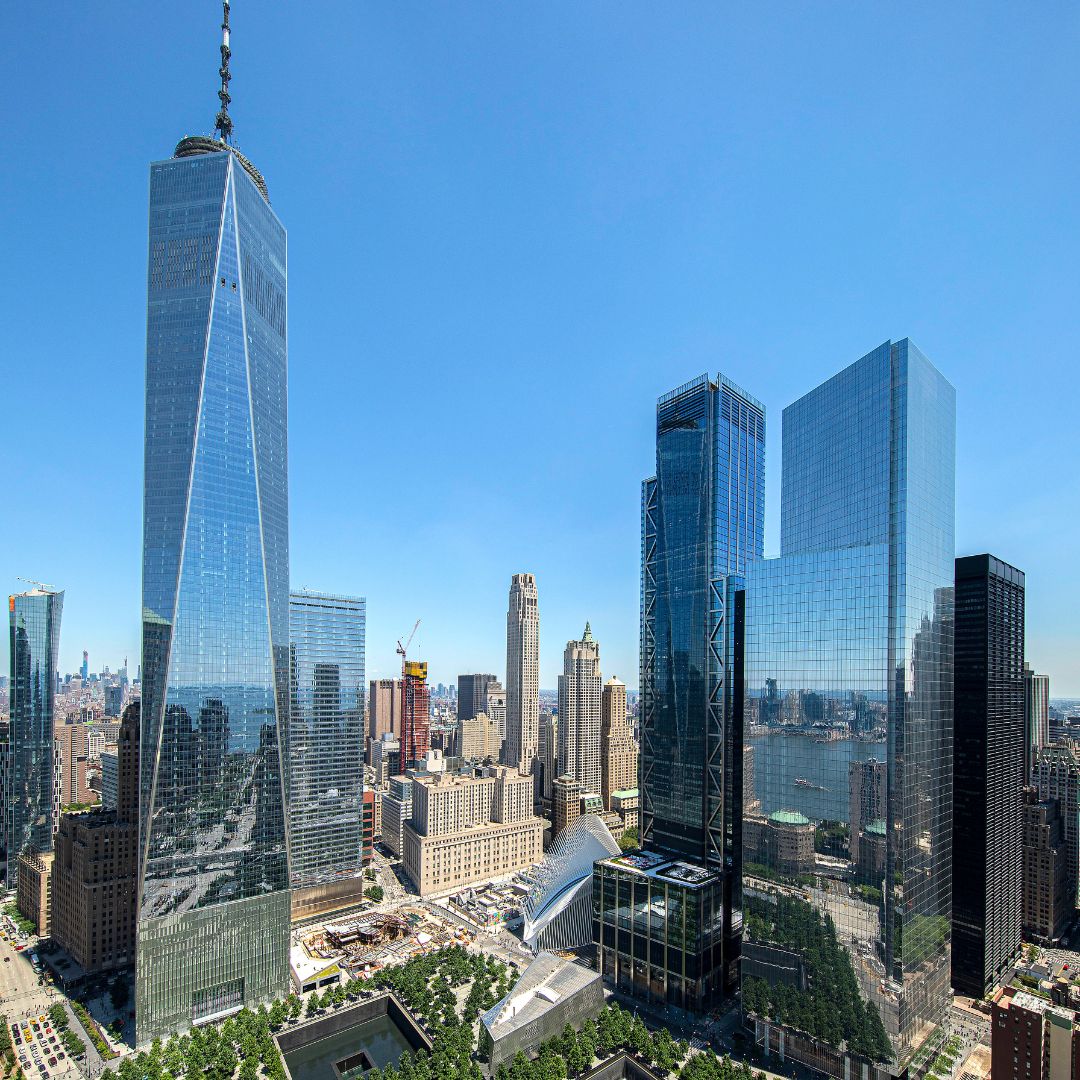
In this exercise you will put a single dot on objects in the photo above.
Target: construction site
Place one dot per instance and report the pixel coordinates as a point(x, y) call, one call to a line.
point(360, 945)
point(491, 907)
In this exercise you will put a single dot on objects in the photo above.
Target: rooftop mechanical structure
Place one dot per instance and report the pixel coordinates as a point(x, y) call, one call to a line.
point(558, 909)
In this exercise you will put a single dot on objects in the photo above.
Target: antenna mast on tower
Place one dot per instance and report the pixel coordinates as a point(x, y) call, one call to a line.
point(223, 122)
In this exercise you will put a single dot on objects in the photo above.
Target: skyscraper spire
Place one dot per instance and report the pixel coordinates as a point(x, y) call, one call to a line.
point(223, 122)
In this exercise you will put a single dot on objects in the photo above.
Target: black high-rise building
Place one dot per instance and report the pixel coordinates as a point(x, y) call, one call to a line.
point(702, 525)
point(472, 695)
point(988, 772)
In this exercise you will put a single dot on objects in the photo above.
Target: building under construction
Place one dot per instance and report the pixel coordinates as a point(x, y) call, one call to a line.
point(415, 713)
point(370, 930)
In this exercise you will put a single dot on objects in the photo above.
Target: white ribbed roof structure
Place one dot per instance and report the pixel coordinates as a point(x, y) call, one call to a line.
point(558, 909)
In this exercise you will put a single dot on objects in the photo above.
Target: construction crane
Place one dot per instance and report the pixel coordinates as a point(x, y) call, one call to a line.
point(40, 584)
point(402, 649)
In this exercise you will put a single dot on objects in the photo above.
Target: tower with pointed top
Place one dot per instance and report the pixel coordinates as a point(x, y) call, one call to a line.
point(213, 890)
point(579, 713)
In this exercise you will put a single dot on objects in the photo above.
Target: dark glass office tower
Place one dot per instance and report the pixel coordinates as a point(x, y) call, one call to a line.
point(325, 750)
point(214, 879)
point(847, 869)
point(989, 748)
point(702, 525)
point(472, 695)
point(34, 619)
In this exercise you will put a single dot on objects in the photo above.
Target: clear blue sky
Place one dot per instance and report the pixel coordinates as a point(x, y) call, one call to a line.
point(512, 226)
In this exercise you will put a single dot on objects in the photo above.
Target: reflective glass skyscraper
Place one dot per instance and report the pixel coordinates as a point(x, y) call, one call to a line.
point(703, 518)
point(666, 922)
point(34, 619)
point(325, 749)
point(848, 674)
point(214, 877)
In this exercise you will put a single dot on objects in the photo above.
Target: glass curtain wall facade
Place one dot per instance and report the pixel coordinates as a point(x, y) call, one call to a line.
point(988, 773)
point(214, 877)
point(34, 619)
point(325, 740)
point(702, 526)
point(848, 690)
point(659, 927)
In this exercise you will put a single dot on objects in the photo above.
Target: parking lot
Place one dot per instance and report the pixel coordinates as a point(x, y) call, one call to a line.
point(26, 993)
point(39, 1049)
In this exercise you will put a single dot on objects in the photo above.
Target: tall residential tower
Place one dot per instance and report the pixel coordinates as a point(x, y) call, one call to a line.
point(618, 749)
point(213, 904)
point(415, 713)
point(579, 713)
point(1036, 717)
point(522, 674)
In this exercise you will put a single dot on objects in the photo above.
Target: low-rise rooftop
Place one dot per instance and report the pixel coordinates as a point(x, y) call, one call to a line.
point(654, 865)
point(546, 981)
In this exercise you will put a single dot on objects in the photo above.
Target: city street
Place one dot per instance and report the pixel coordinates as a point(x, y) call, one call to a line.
point(23, 1000)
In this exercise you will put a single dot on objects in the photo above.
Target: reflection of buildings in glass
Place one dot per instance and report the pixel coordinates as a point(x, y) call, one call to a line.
point(866, 782)
point(783, 842)
point(770, 704)
point(325, 749)
point(34, 619)
point(702, 524)
point(751, 803)
point(213, 743)
point(849, 639)
point(213, 863)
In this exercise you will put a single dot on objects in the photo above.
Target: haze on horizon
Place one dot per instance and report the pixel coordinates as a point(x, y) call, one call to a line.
point(511, 230)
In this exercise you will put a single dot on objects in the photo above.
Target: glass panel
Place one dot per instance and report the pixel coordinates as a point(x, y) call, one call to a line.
point(215, 595)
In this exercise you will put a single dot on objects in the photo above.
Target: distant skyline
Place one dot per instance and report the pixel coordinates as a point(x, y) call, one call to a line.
point(543, 218)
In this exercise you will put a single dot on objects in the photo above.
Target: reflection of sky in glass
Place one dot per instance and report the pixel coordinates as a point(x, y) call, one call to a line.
point(35, 637)
point(215, 591)
point(703, 520)
point(849, 677)
point(325, 736)
point(215, 833)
